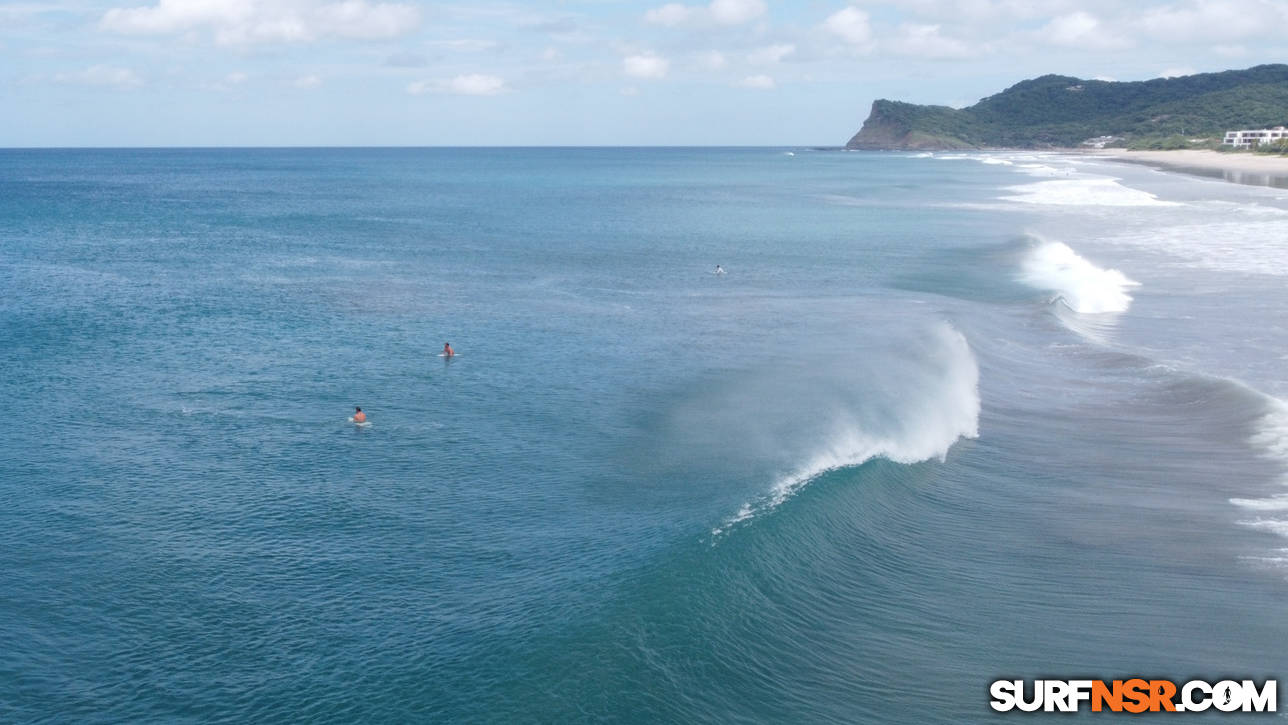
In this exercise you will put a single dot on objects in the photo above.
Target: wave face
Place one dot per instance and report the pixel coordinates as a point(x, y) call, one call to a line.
point(918, 407)
point(1081, 285)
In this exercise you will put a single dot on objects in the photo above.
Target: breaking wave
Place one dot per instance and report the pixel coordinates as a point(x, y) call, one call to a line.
point(928, 402)
point(1081, 192)
point(1271, 439)
point(1082, 286)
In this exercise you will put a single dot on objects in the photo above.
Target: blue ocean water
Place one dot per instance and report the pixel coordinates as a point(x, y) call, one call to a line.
point(945, 419)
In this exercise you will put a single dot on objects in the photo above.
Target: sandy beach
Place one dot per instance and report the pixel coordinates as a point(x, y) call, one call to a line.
point(1242, 168)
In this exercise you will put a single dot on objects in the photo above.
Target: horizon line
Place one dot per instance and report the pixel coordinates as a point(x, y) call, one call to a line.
point(444, 146)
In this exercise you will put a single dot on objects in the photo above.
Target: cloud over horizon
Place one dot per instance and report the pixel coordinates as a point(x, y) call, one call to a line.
point(469, 84)
point(363, 58)
point(244, 22)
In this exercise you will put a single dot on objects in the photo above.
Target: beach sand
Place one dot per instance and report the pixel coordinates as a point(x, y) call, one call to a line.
point(1241, 168)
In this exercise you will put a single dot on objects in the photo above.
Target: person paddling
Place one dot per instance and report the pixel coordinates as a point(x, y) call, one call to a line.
point(359, 416)
point(447, 350)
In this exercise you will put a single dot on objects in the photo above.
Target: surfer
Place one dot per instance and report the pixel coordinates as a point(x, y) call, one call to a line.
point(447, 350)
point(719, 269)
point(359, 416)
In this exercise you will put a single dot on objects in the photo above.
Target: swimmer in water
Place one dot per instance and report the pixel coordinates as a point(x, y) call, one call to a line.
point(359, 416)
point(447, 350)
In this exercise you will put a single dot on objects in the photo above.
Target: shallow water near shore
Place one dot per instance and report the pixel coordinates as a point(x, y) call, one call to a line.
point(947, 418)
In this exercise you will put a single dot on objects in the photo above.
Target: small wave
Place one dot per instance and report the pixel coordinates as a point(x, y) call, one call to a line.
point(994, 161)
point(1080, 285)
point(924, 425)
point(1275, 563)
point(1040, 170)
point(1095, 191)
point(1272, 433)
point(1271, 439)
point(1274, 526)
point(1273, 503)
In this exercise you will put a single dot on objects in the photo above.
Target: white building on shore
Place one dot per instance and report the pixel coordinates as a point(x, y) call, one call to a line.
point(1245, 139)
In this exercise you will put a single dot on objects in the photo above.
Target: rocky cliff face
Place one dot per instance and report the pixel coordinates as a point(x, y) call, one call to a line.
point(896, 125)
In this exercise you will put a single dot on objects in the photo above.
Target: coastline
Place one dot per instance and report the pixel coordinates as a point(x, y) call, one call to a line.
point(1238, 168)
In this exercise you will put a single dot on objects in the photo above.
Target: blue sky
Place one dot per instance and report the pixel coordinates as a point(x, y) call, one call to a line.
point(577, 72)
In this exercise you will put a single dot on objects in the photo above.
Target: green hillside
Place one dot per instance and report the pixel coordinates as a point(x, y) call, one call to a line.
point(1060, 111)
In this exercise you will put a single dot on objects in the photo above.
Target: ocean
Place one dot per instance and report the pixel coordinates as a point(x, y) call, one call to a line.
point(944, 419)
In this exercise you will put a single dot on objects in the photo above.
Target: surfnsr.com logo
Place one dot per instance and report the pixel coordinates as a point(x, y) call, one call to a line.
point(1133, 696)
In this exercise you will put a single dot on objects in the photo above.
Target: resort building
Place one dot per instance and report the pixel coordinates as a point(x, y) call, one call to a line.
point(1245, 139)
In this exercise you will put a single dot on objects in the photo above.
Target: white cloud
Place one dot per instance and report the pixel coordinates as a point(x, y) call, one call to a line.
point(925, 41)
point(306, 82)
point(718, 12)
point(1176, 72)
point(1107, 79)
point(102, 75)
point(629, 91)
point(851, 25)
point(235, 79)
point(551, 54)
point(771, 54)
point(244, 22)
point(759, 82)
point(471, 84)
point(670, 15)
point(985, 11)
point(1214, 20)
point(476, 84)
point(736, 12)
point(1081, 30)
point(646, 66)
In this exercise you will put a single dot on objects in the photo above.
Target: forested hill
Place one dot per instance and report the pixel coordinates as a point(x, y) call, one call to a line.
point(1060, 111)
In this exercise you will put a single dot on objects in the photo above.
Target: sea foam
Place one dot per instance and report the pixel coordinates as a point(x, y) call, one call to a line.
point(942, 408)
point(1082, 286)
point(1271, 439)
point(1082, 192)
point(1252, 242)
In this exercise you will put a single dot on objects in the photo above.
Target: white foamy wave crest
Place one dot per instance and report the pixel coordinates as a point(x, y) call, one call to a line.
point(1040, 170)
point(1273, 503)
point(1273, 526)
point(927, 422)
point(1271, 438)
point(1094, 191)
point(1080, 285)
point(994, 161)
point(1272, 434)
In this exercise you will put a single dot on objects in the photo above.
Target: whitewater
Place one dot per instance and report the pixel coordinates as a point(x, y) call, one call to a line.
point(946, 417)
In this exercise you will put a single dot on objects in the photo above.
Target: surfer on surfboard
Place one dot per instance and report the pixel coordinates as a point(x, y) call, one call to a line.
point(359, 416)
point(447, 350)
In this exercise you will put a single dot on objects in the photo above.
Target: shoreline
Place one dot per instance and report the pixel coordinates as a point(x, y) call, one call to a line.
point(1234, 167)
